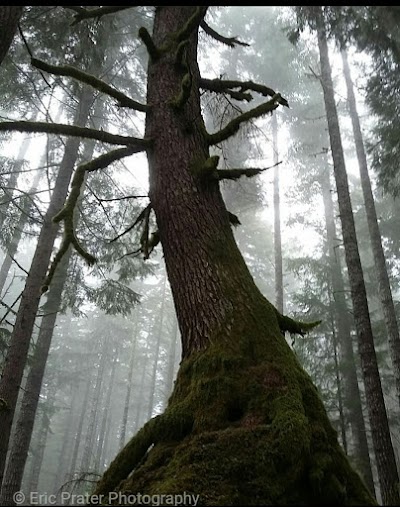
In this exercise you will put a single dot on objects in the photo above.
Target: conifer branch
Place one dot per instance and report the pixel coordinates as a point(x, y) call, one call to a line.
point(229, 41)
point(96, 83)
point(82, 13)
point(228, 86)
point(233, 126)
point(73, 130)
point(67, 212)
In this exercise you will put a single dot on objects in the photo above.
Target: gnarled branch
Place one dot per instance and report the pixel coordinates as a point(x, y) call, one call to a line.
point(96, 83)
point(233, 126)
point(228, 86)
point(229, 41)
point(235, 174)
point(82, 13)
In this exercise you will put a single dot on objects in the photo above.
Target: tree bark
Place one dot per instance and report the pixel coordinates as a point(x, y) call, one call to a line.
point(384, 290)
point(387, 471)
point(352, 397)
point(21, 335)
point(26, 417)
point(242, 409)
point(9, 18)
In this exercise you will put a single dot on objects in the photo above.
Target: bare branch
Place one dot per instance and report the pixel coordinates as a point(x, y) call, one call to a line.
point(234, 125)
point(140, 218)
point(229, 41)
point(82, 13)
point(96, 83)
point(228, 85)
point(72, 130)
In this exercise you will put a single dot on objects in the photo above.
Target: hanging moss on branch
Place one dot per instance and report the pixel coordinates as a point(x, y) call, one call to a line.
point(227, 86)
point(286, 324)
point(184, 94)
point(96, 83)
point(67, 213)
point(234, 125)
point(192, 24)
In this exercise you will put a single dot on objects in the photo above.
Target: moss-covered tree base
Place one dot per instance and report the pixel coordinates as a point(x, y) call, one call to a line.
point(244, 426)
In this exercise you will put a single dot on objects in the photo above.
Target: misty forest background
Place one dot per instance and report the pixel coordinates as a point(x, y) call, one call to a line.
point(110, 340)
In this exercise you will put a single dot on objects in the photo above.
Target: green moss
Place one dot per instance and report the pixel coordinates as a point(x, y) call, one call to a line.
point(205, 170)
point(244, 426)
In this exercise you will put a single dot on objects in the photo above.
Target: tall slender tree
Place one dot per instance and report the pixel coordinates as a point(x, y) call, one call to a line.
point(386, 463)
point(384, 290)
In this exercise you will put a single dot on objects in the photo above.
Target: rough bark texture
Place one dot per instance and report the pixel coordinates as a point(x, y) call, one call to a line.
point(26, 417)
point(387, 471)
point(348, 368)
point(9, 18)
point(21, 335)
point(384, 290)
point(244, 424)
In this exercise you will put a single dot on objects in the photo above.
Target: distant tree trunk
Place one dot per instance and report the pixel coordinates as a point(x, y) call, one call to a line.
point(384, 290)
point(66, 448)
point(9, 18)
point(244, 419)
point(169, 382)
point(21, 335)
point(277, 221)
point(139, 412)
point(348, 367)
point(94, 408)
point(26, 417)
point(12, 248)
point(98, 464)
point(387, 471)
point(338, 379)
point(158, 332)
point(40, 445)
point(129, 383)
point(78, 435)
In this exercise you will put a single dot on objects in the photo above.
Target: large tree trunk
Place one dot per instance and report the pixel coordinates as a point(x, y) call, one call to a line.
point(9, 18)
point(21, 335)
point(352, 395)
point(244, 424)
point(26, 417)
point(384, 290)
point(387, 471)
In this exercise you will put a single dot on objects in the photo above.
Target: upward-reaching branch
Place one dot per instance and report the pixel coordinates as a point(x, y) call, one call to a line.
point(74, 131)
point(84, 77)
point(234, 125)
